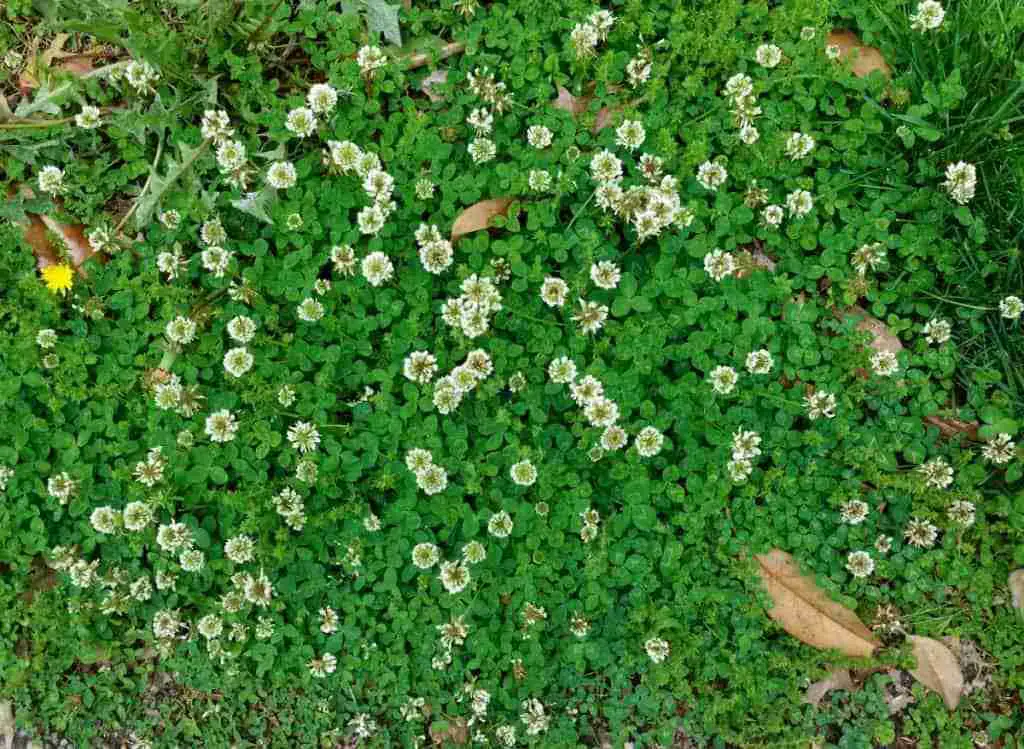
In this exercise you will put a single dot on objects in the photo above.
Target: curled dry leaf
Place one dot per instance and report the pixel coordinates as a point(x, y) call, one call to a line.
point(838, 679)
point(429, 84)
point(882, 339)
point(806, 611)
point(938, 669)
point(864, 60)
point(455, 732)
point(478, 216)
point(949, 426)
point(35, 229)
point(577, 105)
point(1016, 583)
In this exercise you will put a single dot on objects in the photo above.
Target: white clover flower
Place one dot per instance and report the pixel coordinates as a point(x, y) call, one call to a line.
point(437, 256)
point(648, 442)
point(657, 649)
point(420, 367)
point(46, 338)
point(768, 55)
point(772, 215)
point(417, 459)
point(303, 436)
point(104, 519)
point(320, 668)
point(474, 552)
point(799, 145)
point(884, 363)
point(719, 265)
point(961, 181)
point(137, 516)
point(241, 329)
point(929, 16)
point(613, 438)
point(1011, 307)
point(371, 219)
point(424, 188)
point(601, 412)
point(310, 310)
point(166, 624)
point(999, 450)
point(749, 134)
point(937, 331)
point(860, 563)
point(920, 533)
point(344, 259)
point(584, 38)
point(377, 268)
point(711, 175)
point(760, 362)
point(605, 274)
point(799, 203)
point(221, 426)
point(286, 395)
point(88, 118)
point(523, 473)
point(322, 98)
point(723, 379)
point(281, 175)
point(937, 473)
point(240, 549)
point(210, 626)
point(586, 390)
point(328, 620)
point(140, 76)
point(51, 179)
point(539, 136)
point(192, 560)
point(238, 361)
point(562, 370)
point(482, 150)
point(591, 316)
point(638, 70)
point(181, 330)
point(630, 134)
point(854, 512)
point(807, 33)
point(454, 576)
point(739, 470)
point(554, 291)
point(432, 480)
point(833, 51)
point(425, 555)
point(539, 180)
point(481, 120)
point(500, 525)
point(961, 512)
point(230, 155)
point(820, 404)
point(216, 260)
point(370, 59)
point(605, 167)
point(868, 257)
point(216, 125)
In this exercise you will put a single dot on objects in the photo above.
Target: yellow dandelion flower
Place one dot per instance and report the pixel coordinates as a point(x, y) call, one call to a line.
point(59, 278)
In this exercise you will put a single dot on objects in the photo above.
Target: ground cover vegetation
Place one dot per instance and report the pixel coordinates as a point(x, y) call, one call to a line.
point(476, 373)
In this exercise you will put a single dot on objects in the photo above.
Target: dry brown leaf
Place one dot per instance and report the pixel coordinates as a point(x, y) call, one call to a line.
point(838, 679)
point(949, 426)
point(76, 63)
point(882, 339)
point(863, 59)
point(35, 231)
point(807, 613)
point(574, 105)
point(938, 669)
point(428, 85)
point(478, 216)
point(1016, 583)
point(457, 733)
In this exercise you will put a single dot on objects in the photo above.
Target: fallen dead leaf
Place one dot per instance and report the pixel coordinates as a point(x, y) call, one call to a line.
point(882, 339)
point(864, 60)
point(478, 216)
point(949, 426)
point(457, 732)
point(36, 228)
point(428, 85)
point(751, 261)
point(838, 679)
point(938, 669)
point(55, 58)
point(1016, 583)
point(574, 105)
point(806, 611)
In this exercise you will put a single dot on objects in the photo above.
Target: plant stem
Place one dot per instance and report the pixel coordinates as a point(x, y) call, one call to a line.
point(582, 207)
